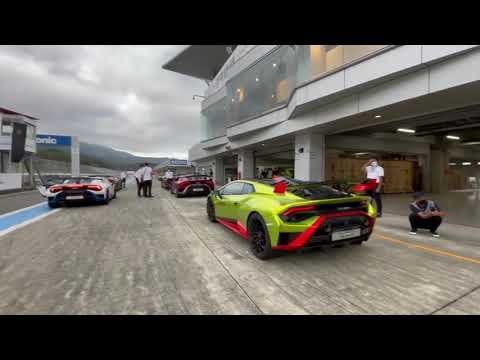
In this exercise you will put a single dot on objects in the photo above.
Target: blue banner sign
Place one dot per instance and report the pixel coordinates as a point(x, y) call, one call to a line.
point(178, 162)
point(43, 139)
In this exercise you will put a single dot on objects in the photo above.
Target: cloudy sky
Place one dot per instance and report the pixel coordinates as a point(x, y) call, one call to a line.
point(112, 95)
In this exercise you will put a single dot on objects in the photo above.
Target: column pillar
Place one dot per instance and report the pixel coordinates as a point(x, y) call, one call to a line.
point(246, 165)
point(75, 156)
point(310, 157)
point(425, 164)
point(439, 165)
point(218, 171)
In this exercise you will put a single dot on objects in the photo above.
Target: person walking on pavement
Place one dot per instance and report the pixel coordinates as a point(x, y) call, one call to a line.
point(139, 178)
point(375, 172)
point(147, 180)
point(168, 174)
point(123, 177)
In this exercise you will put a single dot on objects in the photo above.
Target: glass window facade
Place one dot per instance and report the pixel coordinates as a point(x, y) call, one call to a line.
point(212, 121)
point(316, 60)
point(264, 86)
point(269, 83)
point(7, 127)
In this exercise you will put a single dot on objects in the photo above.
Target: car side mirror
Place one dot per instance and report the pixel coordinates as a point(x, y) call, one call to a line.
point(217, 193)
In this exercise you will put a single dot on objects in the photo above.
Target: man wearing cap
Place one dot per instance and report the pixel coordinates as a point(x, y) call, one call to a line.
point(425, 214)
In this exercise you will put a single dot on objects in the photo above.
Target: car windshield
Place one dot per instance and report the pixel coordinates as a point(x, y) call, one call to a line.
point(81, 180)
point(316, 191)
point(308, 189)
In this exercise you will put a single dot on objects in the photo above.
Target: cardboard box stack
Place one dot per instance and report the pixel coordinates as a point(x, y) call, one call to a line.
point(399, 174)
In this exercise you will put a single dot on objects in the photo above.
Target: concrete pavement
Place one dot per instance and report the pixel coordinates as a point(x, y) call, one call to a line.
point(162, 256)
point(14, 201)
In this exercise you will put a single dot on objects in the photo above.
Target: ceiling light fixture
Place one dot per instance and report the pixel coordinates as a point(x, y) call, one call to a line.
point(409, 131)
point(471, 143)
point(257, 79)
point(452, 164)
point(466, 163)
point(378, 116)
point(453, 137)
point(361, 153)
point(274, 65)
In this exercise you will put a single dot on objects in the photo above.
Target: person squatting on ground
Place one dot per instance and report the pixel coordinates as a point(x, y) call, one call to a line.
point(139, 179)
point(425, 214)
point(375, 172)
point(147, 180)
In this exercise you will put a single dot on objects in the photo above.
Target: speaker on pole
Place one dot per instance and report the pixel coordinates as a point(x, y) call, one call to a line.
point(18, 142)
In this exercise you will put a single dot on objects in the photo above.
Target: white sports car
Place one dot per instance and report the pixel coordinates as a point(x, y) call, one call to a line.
point(81, 189)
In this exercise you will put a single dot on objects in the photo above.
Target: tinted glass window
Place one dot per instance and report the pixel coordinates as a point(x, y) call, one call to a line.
point(233, 189)
point(248, 188)
point(82, 181)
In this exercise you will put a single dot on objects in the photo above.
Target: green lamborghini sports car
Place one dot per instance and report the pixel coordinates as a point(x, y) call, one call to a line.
point(291, 214)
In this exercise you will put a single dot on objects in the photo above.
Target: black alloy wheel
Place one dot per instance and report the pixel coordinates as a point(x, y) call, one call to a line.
point(211, 211)
point(258, 238)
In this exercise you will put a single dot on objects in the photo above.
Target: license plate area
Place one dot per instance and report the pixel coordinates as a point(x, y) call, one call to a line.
point(346, 234)
point(74, 197)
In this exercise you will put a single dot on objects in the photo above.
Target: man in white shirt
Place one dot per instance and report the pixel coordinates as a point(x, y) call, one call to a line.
point(147, 180)
point(139, 178)
point(375, 172)
point(168, 174)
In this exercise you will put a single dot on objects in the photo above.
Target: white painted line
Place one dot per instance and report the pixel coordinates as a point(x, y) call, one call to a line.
point(23, 209)
point(25, 223)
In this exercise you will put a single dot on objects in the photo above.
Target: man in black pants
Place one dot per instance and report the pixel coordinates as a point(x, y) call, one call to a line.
point(374, 171)
point(425, 214)
point(147, 180)
point(139, 178)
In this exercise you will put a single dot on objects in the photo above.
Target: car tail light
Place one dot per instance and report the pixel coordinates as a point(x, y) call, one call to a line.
point(94, 187)
point(111, 180)
point(54, 189)
point(297, 214)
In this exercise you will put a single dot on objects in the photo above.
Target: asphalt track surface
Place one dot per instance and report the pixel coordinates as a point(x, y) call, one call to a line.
point(162, 256)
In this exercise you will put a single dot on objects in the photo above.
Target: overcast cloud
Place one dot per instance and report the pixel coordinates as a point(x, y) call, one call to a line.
point(117, 96)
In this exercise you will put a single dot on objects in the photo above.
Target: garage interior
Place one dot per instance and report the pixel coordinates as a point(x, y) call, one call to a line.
point(436, 153)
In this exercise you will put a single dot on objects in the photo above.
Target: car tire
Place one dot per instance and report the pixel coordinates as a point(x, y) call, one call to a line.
point(53, 205)
point(211, 211)
point(107, 198)
point(258, 238)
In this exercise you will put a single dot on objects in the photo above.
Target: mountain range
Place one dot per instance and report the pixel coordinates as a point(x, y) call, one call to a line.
point(106, 157)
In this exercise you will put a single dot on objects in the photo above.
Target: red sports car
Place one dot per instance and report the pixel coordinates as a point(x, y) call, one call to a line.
point(167, 183)
point(192, 185)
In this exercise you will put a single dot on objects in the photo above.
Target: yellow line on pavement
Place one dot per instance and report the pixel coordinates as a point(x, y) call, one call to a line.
point(430, 249)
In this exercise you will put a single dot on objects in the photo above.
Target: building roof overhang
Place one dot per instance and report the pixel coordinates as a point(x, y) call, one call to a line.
point(200, 61)
point(11, 112)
